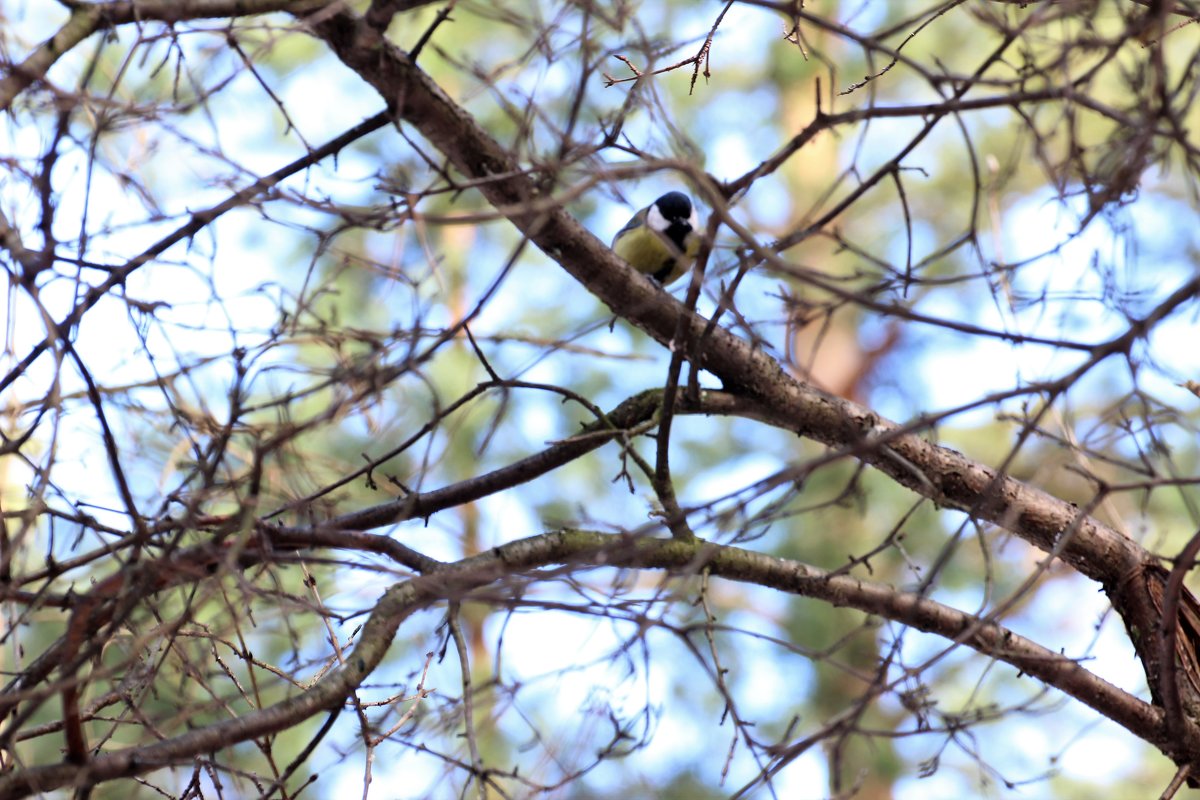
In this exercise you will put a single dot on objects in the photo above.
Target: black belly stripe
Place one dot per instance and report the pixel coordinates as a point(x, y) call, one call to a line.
point(678, 234)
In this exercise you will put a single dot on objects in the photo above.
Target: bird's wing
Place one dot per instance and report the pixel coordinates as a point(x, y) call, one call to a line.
point(634, 221)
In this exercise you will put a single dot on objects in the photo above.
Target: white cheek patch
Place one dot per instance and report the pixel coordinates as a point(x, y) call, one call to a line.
point(694, 220)
point(655, 221)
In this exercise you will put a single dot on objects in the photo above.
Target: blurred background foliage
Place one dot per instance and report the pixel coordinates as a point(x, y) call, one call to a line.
point(326, 315)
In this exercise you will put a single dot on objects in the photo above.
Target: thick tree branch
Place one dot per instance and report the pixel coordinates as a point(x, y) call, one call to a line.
point(945, 476)
point(1099, 552)
point(456, 581)
point(223, 531)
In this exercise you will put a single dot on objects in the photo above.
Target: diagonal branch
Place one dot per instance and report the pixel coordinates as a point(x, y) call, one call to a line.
point(946, 476)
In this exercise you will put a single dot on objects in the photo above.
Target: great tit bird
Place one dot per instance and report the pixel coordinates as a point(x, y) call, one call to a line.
point(662, 239)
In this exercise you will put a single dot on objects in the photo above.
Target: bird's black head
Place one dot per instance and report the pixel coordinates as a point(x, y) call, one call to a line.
point(674, 206)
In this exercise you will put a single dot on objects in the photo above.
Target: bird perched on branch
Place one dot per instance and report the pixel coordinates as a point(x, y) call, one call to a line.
point(662, 239)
